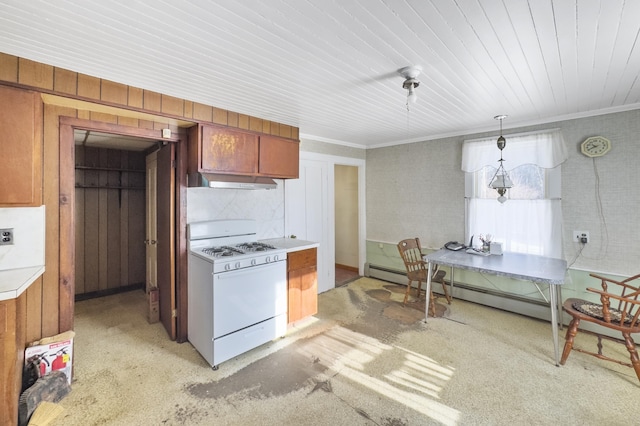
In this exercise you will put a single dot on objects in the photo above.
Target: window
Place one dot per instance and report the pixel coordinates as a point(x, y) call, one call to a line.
point(531, 220)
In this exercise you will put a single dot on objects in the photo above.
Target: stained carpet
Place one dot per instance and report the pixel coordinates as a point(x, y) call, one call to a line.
point(363, 360)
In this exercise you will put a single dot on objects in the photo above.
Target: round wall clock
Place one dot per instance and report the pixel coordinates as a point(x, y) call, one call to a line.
point(595, 146)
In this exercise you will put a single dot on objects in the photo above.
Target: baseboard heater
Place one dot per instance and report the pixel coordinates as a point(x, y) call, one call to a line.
point(496, 299)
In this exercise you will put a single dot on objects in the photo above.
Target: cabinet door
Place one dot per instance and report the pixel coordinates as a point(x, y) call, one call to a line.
point(228, 151)
point(302, 280)
point(12, 343)
point(21, 144)
point(308, 291)
point(279, 157)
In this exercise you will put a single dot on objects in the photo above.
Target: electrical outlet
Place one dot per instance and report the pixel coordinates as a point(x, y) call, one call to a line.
point(581, 237)
point(6, 236)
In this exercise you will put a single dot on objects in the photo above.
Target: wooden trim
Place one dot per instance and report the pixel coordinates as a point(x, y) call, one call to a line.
point(181, 241)
point(48, 297)
point(67, 211)
point(99, 126)
point(67, 224)
point(348, 268)
point(47, 79)
point(220, 118)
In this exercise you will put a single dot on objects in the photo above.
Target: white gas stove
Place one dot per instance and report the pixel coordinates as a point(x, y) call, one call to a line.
point(237, 289)
point(231, 244)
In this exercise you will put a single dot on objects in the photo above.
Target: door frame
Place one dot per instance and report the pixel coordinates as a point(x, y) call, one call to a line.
point(327, 271)
point(66, 286)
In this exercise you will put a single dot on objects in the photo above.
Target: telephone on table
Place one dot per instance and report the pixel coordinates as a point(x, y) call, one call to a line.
point(454, 245)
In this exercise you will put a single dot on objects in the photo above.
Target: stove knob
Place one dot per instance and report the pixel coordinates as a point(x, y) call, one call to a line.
point(275, 258)
point(227, 267)
point(237, 265)
point(253, 262)
point(267, 259)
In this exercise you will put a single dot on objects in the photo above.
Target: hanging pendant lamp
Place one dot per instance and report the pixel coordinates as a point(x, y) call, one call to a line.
point(501, 181)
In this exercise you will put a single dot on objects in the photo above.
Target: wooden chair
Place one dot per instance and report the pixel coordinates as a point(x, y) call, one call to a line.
point(619, 310)
point(411, 254)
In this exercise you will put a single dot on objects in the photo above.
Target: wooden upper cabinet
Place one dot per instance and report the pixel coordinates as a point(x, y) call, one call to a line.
point(228, 151)
point(21, 143)
point(217, 149)
point(279, 157)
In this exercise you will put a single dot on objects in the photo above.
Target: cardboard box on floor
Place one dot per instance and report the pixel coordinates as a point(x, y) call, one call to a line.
point(52, 353)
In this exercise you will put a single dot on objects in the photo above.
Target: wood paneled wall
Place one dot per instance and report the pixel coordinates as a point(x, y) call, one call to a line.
point(43, 300)
point(63, 82)
point(110, 220)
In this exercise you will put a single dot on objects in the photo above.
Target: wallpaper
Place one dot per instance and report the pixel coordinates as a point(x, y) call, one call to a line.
point(417, 190)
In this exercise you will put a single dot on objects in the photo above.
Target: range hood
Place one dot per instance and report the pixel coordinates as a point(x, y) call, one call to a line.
point(213, 180)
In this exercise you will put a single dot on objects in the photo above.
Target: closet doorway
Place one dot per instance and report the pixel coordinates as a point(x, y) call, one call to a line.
point(108, 222)
point(110, 211)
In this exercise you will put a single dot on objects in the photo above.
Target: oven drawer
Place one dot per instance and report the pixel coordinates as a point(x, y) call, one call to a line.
point(246, 339)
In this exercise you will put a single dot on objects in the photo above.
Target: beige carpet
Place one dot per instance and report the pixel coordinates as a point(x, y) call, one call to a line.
point(364, 360)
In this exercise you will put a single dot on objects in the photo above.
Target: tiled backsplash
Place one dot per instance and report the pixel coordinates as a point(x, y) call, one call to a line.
point(28, 225)
point(266, 207)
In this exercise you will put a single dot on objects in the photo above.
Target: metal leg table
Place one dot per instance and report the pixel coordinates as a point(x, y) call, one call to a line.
point(537, 269)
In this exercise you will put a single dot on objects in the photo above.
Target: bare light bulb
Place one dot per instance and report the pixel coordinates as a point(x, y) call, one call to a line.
point(411, 96)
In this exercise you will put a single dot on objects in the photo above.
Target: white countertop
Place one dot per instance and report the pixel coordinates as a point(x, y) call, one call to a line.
point(290, 244)
point(13, 282)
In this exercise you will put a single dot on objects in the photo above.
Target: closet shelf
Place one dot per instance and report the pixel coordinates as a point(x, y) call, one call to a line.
point(109, 187)
point(109, 169)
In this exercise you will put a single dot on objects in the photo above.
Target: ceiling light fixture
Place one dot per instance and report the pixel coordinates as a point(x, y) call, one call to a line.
point(411, 82)
point(501, 181)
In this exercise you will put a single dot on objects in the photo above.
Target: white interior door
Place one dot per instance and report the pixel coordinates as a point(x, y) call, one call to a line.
point(310, 210)
point(307, 215)
point(152, 222)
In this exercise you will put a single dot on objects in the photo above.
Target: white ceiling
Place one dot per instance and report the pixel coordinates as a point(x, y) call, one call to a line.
point(330, 67)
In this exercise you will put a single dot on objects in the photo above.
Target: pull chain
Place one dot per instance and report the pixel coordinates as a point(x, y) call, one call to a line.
point(408, 119)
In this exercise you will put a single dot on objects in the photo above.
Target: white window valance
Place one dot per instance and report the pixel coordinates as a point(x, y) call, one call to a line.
point(545, 149)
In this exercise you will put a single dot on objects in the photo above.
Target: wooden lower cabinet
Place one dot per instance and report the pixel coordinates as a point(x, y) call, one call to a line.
point(12, 343)
point(302, 280)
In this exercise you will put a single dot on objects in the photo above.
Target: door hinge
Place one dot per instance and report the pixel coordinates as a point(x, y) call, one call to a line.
point(174, 313)
point(173, 164)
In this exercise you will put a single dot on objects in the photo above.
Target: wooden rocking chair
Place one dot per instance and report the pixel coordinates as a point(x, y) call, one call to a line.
point(619, 310)
point(411, 254)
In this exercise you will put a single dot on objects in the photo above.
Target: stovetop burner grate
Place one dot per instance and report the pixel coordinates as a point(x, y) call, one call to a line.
point(221, 251)
point(255, 246)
